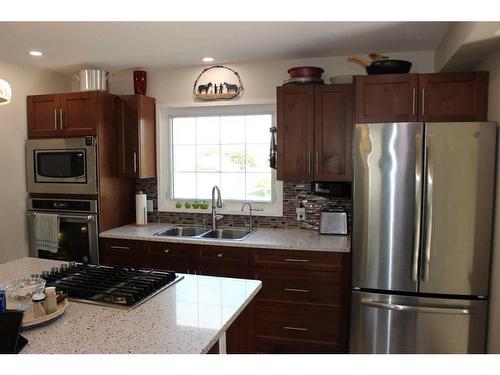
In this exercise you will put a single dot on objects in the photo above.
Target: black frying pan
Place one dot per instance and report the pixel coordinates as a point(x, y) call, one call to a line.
point(388, 66)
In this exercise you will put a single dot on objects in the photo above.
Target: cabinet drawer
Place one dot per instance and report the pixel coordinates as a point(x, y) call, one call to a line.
point(124, 253)
point(316, 287)
point(171, 250)
point(278, 345)
point(300, 322)
point(224, 254)
point(300, 260)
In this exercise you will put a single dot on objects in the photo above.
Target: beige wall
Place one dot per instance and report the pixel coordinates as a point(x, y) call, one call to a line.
point(24, 81)
point(492, 64)
point(174, 86)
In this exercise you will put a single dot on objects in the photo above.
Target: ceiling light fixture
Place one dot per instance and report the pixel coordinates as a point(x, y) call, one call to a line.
point(5, 92)
point(208, 59)
point(36, 53)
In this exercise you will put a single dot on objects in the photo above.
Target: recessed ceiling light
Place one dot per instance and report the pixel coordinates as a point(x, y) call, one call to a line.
point(36, 53)
point(208, 59)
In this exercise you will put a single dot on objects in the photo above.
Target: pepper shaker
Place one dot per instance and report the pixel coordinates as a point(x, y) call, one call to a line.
point(50, 300)
point(38, 300)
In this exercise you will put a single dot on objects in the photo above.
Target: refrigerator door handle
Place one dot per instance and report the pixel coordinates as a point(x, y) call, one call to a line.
point(459, 310)
point(428, 209)
point(418, 206)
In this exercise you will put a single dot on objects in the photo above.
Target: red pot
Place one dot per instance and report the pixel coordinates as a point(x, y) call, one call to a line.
point(305, 71)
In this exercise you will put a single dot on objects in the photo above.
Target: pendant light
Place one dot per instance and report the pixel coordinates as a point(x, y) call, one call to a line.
point(5, 92)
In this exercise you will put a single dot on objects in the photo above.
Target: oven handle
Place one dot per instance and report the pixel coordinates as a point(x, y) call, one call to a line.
point(88, 218)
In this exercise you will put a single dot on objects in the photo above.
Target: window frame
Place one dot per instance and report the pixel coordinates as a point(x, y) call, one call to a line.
point(165, 163)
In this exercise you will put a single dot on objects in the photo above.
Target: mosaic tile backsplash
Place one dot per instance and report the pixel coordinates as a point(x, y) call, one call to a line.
point(293, 193)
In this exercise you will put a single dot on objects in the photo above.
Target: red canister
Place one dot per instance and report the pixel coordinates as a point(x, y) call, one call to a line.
point(140, 81)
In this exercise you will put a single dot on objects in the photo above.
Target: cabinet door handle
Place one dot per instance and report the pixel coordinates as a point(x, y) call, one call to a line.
point(296, 260)
point(219, 255)
point(135, 162)
point(61, 118)
point(316, 162)
point(120, 247)
point(414, 101)
point(296, 290)
point(55, 119)
point(166, 251)
point(295, 328)
point(423, 102)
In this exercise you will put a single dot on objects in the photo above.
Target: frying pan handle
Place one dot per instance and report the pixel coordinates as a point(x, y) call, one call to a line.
point(359, 60)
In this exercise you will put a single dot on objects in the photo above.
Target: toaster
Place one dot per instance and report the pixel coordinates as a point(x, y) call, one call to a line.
point(333, 222)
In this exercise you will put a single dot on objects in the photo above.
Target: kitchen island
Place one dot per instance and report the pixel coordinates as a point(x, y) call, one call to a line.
point(187, 318)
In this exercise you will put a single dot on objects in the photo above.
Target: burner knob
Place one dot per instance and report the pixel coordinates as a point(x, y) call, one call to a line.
point(219, 255)
point(166, 251)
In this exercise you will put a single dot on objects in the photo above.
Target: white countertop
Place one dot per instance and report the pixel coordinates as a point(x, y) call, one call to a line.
point(186, 318)
point(288, 239)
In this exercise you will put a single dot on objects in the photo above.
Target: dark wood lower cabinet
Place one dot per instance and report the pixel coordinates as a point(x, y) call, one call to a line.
point(303, 306)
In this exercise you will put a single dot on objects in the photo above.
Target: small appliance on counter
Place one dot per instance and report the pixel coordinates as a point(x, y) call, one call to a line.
point(333, 221)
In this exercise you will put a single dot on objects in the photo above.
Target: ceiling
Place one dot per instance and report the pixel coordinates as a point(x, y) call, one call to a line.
point(68, 46)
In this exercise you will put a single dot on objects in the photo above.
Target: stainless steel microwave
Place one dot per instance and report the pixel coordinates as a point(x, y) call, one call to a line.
point(62, 165)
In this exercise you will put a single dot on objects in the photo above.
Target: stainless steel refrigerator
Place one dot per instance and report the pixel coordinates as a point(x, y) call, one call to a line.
point(422, 225)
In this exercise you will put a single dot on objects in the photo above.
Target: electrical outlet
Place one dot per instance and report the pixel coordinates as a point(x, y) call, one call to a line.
point(301, 213)
point(149, 204)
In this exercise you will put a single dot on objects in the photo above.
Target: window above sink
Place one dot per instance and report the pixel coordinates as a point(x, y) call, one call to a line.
point(224, 145)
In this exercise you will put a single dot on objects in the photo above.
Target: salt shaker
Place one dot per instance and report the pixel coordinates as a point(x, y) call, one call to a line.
point(38, 300)
point(50, 300)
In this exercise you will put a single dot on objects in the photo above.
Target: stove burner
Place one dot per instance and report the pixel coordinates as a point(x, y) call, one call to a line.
point(114, 286)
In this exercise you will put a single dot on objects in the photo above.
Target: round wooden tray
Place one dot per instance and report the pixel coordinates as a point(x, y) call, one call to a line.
point(29, 321)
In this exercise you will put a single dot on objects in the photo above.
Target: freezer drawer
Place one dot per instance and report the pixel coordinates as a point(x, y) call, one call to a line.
point(390, 324)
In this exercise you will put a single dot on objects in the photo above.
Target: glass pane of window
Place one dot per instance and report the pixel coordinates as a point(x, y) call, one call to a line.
point(207, 130)
point(257, 128)
point(258, 186)
point(208, 158)
point(183, 130)
point(184, 158)
point(232, 129)
point(233, 186)
point(258, 158)
point(229, 151)
point(233, 158)
point(184, 185)
point(205, 183)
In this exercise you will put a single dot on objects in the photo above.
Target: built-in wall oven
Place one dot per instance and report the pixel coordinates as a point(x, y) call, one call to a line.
point(61, 165)
point(76, 233)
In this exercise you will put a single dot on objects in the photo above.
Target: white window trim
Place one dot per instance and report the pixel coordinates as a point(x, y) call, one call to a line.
point(164, 113)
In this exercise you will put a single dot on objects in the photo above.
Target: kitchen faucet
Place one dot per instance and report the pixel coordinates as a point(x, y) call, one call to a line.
point(250, 210)
point(216, 205)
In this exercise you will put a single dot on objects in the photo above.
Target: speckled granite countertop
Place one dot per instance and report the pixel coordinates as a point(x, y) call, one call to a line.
point(289, 239)
point(187, 318)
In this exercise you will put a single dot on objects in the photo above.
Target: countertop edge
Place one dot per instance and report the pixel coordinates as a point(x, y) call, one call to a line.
point(229, 243)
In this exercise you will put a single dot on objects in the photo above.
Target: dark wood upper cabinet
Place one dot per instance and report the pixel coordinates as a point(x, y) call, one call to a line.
point(295, 117)
point(386, 98)
point(333, 133)
point(137, 136)
point(63, 115)
point(438, 97)
point(78, 113)
point(43, 112)
point(453, 96)
point(314, 132)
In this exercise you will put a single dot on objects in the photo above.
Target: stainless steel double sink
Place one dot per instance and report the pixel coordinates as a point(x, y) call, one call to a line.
point(234, 234)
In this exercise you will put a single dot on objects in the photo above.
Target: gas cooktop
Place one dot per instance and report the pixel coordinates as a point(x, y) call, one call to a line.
point(121, 287)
